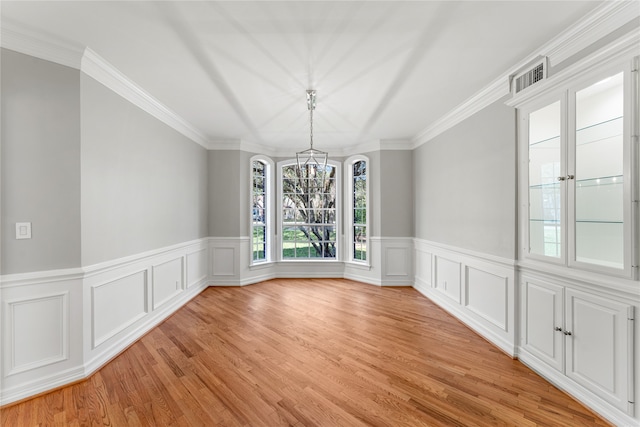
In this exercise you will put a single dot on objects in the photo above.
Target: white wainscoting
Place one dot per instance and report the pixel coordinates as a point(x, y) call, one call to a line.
point(397, 260)
point(225, 259)
point(390, 264)
point(197, 267)
point(36, 343)
point(41, 332)
point(61, 326)
point(447, 278)
point(111, 313)
point(478, 289)
point(168, 281)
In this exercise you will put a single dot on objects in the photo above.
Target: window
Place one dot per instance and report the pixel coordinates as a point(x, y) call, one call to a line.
point(358, 209)
point(308, 212)
point(260, 210)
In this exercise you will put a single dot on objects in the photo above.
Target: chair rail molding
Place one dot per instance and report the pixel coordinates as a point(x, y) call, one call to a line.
point(60, 326)
point(479, 289)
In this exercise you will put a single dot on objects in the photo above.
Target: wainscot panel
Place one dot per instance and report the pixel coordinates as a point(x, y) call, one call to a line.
point(167, 281)
point(225, 260)
point(478, 289)
point(197, 267)
point(42, 332)
point(39, 331)
point(397, 261)
point(487, 296)
point(61, 326)
point(390, 263)
point(423, 268)
point(164, 293)
point(118, 304)
point(448, 278)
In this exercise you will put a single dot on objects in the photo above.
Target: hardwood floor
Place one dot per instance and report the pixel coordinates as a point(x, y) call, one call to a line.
point(321, 352)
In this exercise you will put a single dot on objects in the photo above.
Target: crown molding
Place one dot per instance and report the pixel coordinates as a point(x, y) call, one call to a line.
point(365, 147)
point(37, 45)
point(621, 50)
point(487, 96)
point(89, 62)
point(601, 21)
point(224, 144)
point(102, 71)
point(396, 144)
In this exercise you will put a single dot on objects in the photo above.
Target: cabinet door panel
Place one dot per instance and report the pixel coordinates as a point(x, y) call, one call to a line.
point(545, 191)
point(543, 314)
point(598, 153)
point(598, 347)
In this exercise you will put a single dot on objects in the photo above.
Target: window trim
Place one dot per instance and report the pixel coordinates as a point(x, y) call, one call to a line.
point(269, 196)
point(349, 236)
point(339, 216)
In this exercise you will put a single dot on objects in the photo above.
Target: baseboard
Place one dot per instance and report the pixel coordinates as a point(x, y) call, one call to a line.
point(78, 330)
point(116, 347)
point(41, 385)
point(479, 290)
point(612, 414)
point(507, 347)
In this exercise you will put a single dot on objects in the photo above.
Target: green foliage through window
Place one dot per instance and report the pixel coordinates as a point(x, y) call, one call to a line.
point(259, 212)
point(359, 211)
point(309, 212)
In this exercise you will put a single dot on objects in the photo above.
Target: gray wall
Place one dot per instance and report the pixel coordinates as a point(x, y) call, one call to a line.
point(396, 193)
point(465, 184)
point(40, 163)
point(144, 185)
point(229, 193)
point(375, 202)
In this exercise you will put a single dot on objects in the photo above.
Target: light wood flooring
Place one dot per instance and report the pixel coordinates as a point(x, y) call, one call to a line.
point(320, 352)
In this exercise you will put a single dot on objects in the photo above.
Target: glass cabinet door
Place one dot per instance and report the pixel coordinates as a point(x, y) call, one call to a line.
point(599, 173)
point(545, 191)
point(577, 163)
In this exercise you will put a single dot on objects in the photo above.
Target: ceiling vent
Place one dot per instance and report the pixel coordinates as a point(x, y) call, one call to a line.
point(528, 78)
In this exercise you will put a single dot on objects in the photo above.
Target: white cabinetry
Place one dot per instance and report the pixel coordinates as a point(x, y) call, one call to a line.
point(577, 173)
point(586, 337)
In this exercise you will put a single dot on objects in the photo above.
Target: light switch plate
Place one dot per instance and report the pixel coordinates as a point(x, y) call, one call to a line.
point(23, 230)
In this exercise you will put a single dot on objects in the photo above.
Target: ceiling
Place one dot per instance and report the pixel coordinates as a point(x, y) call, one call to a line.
point(239, 70)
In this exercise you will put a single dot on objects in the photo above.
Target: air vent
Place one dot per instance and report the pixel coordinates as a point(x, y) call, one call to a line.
point(530, 77)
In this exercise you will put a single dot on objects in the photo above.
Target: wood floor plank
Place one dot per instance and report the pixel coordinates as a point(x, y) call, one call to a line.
point(313, 352)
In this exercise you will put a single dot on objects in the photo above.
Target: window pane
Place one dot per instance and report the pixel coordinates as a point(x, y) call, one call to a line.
point(309, 201)
point(359, 207)
point(599, 173)
point(544, 187)
point(258, 212)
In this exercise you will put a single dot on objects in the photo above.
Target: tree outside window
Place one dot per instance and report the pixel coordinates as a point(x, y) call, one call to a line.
point(359, 211)
point(258, 212)
point(309, 212)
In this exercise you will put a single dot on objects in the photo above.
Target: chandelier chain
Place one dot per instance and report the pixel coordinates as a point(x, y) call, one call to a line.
point(311, 126)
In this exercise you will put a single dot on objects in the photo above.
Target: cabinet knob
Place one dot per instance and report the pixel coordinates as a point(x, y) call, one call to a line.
point(557, 328)
point(567, 332)
point(561, 178)
point(571, 176)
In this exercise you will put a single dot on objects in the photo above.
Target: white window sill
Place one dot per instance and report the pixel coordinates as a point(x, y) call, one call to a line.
point(359, 265)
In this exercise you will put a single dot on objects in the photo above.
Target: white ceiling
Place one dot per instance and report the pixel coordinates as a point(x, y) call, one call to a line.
point(238, 70)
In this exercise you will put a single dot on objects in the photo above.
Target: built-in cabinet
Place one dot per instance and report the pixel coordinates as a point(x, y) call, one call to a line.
point(578, 196)
point(582, 335)
point(576, 167)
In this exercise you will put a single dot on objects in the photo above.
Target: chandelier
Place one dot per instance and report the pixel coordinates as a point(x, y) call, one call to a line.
point(312, 163)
